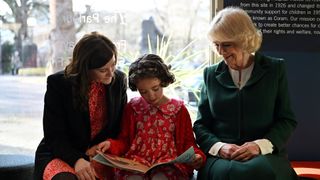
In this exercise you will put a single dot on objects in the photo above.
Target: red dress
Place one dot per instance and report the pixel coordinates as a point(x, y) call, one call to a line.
point(152, 134)
point(98, 115)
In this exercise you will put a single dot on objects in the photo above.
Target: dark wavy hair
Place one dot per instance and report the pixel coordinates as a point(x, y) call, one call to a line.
point(149, 66)
point(92, 51)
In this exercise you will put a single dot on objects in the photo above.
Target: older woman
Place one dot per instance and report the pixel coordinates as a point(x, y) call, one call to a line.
point(244, 116)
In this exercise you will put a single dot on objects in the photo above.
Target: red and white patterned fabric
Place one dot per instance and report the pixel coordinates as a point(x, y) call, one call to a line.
point(97, 107)
point(56, 166)
point(98, 116)
point(154, 141)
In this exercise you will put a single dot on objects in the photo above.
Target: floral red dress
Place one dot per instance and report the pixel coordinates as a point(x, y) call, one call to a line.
point(98, 115)
point(149, 135)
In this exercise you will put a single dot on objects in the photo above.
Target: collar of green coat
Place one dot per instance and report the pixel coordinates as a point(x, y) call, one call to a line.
point(261, 66)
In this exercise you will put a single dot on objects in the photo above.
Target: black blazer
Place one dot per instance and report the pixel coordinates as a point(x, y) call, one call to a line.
point(67, 129)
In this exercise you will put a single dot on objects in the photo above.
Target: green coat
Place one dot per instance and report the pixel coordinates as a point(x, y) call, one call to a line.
point(261, 109)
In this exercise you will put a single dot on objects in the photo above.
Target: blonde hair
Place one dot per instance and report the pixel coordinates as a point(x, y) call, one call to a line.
point(233, 24)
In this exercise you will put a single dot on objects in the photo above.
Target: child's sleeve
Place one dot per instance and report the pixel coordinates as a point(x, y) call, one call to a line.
point(185, 134)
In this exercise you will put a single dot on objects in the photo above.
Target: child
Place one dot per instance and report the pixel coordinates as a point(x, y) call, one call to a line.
point(155, 128)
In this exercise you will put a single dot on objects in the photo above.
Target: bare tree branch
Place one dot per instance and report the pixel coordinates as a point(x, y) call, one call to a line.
point(192, 21)
point(82, 24)
point(40, 7)
point(3, 19)
point(13, 5)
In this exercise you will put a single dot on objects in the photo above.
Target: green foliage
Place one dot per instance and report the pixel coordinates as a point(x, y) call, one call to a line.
point(39, 71)
point(179, 62)
point(6, 55)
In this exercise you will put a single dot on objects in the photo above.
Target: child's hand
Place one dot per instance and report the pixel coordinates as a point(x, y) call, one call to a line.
point(103, 146)
point(197, 161)
point(92, 151)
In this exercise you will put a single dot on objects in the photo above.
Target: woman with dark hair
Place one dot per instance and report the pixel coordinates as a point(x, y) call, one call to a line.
point(156, 128)
point(82, 107)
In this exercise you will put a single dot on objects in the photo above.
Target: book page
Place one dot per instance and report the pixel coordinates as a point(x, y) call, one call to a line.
point(131, 165)
point(120, 162)
point(185, 157)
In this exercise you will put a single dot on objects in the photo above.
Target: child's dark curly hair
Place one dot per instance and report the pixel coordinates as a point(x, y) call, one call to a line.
point(149, 66)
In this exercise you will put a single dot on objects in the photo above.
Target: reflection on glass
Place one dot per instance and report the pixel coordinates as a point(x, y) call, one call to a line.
point(43, 40)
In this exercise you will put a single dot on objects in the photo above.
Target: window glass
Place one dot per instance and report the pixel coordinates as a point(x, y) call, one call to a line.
point(40, 44)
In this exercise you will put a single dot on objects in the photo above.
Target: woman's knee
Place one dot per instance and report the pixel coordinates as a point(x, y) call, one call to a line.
point(65, 176)
point(135, 177)
point(216, 169)
point(253, 169)
point(235, 170)
point(159, 176)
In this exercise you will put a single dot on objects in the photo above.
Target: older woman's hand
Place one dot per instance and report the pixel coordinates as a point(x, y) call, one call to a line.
point(246, 152)
point(227, 150)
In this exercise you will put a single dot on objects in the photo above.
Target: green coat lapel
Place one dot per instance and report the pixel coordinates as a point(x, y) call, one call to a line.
point(223, 76)
point(260, 68)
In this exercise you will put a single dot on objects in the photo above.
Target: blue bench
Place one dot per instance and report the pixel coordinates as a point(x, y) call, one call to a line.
point(16, 167)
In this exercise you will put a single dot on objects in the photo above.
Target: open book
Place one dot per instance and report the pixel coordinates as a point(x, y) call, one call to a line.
point(131, 165)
